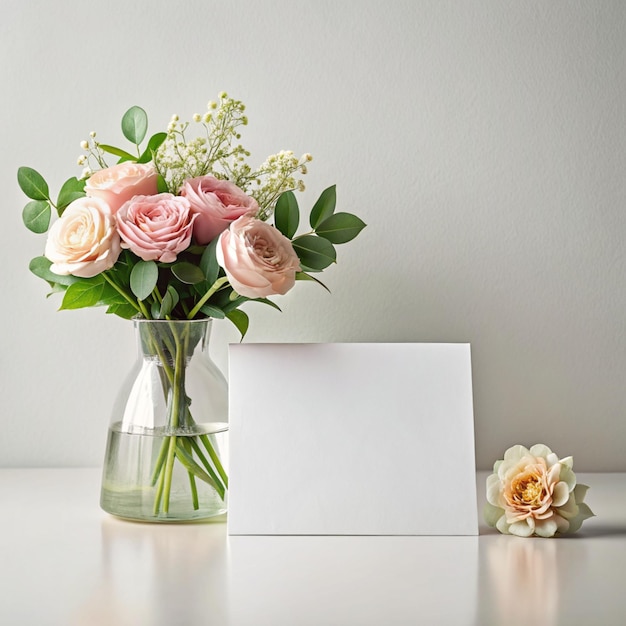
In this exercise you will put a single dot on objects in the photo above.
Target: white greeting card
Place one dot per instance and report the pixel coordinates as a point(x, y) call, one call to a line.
point(351, 439)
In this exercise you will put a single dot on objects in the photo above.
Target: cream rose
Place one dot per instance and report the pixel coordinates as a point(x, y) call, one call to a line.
point(217, 204)
point(532, 492)
point(156, 228)
point(118, 184)
point(258, 260)
point(83, 241)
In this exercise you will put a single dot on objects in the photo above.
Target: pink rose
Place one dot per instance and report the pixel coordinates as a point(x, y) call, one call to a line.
point(83, 241)
point(156, 228)
point(217, 203)
point(258, 260)
point(118, 184)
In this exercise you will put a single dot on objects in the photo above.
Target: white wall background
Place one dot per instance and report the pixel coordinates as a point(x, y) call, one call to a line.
point(482, 142)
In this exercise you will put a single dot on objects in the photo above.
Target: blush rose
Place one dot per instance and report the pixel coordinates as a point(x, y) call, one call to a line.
point(84, 241)
point(259, 261)
point(217, 203)
point(533, 492)
point(119, 183)
point(156, 228)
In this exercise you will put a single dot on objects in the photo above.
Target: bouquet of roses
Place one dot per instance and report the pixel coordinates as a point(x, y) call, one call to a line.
point(177, 229)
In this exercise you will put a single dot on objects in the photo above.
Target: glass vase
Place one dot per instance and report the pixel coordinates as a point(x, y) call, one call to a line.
point(166, 454)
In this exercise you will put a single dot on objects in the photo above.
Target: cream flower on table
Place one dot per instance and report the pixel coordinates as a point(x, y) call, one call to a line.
point(533, 492)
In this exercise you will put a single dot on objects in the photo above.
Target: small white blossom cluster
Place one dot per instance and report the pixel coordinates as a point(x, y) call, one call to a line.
point(179, 158)
point(218, 152)
point(93, 158)
point(275, 176)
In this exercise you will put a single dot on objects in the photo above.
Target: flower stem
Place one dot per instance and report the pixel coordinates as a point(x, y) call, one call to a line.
point(216, 285)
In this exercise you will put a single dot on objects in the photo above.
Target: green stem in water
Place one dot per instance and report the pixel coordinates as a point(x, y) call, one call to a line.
point(219, 487)
point(216, 460)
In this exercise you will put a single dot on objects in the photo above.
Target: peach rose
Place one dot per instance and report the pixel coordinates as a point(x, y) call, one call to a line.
point(259, 261)
point(156, 228)
point(217, 204)
point(118, 184)
point(533, 492)
point(83, 241)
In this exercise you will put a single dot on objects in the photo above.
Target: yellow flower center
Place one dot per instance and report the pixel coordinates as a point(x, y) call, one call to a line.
point(528, 489)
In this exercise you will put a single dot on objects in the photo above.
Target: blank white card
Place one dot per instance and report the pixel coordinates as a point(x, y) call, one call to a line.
point(351, 439)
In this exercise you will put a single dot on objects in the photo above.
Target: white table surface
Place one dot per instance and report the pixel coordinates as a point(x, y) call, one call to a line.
point(65, 562)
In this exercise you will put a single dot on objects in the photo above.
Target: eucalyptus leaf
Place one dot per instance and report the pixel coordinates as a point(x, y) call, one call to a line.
point(40, 266)
point(117, 152)
point(36, 216)
point(72, 189)
point(83, 294)
point(208, 262)
point(268, 302)
point(240, 320)
point(188, 273)
point(233, 302)
point(32, 184)
point(314, 252)
point(135, 124)
point(287, 214)
point(161, 184)
point(213, 311)
point(143, 279)
point(125, 311)
point(153, 145)
point(170, 300)
point(305, 276)
point(110, 296)
point(340, 227)
point(324, 207)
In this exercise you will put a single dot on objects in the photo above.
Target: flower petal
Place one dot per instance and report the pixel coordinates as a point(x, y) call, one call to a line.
point(492, 514)
point(515, 453)
point(521, 529)
point(568, 461)
point(580, 491)
point(546, 527)
point(560, 495)
point(502, 525)
point(584, 512)
point(568, 476)
point(569, 509)
point(494, 489)
point(540, 449)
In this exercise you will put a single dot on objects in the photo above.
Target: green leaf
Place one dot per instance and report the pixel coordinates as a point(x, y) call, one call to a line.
point(287, 214)
point(117, 152)
point(135, 124)
point(188, 273)
point(153, 145)
point(208, 262)
point(72, 189)
point(143, 279)
point(240, 320)
point(213, 311)
point(315, 253)
point(126, 311)
point(305, 276)
point(40, 266)
point(83, 294)
point(268, 302)
point(170, 300)
point(324, 207)
point(162, 185)
point(36, 216)
point(32, 184)
point(340, 227)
